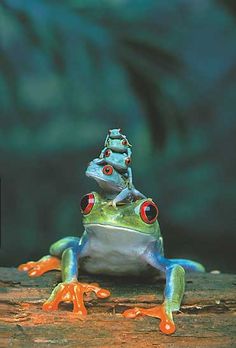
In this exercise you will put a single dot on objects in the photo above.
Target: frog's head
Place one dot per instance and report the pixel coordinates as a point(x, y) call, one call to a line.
point(119, 160)
point(139, 216)
point(115, 133)
point(119, 145)
point(106, 176)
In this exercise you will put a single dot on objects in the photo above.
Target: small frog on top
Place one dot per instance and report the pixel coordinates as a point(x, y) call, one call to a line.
point(116, 155)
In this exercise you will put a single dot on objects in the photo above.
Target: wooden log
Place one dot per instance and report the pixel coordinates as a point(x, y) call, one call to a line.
point(207, 317)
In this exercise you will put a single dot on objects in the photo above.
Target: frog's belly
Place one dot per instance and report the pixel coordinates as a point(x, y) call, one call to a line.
point(115, 251)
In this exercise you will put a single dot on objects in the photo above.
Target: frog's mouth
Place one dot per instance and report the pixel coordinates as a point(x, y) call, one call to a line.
point(106, 229)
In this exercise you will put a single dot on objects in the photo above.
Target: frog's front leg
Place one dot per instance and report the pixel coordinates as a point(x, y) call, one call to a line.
point(174, 290)
point(100, 159)
point(70, 289)
point(126, 194)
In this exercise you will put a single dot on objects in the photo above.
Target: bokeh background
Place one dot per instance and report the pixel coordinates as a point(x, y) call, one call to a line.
point(163, 71)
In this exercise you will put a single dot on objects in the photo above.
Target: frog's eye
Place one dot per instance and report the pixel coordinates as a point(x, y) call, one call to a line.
point(107, 153)
point(124, 142)
point(107, 170)
point(87, 203)
point(149, 212)
point(119, 130)
point(128, 161)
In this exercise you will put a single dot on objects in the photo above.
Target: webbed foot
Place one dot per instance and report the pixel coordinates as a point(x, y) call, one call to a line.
point(167, 325)
point(37, 268)
point(73, 292)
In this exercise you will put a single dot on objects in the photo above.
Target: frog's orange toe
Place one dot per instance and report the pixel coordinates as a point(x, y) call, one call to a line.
point(37, 268)
point(103, 293)
point(36, 271)
point(167, 325)
point(100, 293)
point(50, 306)
point(73, 292)
point(131, 313)
point(67, 292)
point(26, 266)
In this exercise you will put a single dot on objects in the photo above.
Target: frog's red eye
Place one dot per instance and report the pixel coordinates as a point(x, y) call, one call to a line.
point(128, 161)
point(107, 153)
point(87, 203)
point(149, 212)
point(124, 142)
point(119, 130)
point(107, 170)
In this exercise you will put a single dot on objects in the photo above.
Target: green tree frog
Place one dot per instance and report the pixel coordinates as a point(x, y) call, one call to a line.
point(122, 241)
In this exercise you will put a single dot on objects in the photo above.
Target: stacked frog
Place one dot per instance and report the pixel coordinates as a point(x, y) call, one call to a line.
point(121, 242)
point(112, 169)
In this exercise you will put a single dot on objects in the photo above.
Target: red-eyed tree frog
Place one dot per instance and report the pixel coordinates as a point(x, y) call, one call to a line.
point(122, 241)
point(115, 185)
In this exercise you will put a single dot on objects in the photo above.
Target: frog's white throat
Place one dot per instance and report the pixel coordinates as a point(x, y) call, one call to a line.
point(115, 250)
point(118, 237)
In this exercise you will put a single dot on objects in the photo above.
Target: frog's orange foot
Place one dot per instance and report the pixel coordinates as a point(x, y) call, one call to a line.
point(167, 325)
point(37, 268)
point(73, 292)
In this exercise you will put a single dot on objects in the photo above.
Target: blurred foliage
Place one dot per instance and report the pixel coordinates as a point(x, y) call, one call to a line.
point(67, 49)
point(230, 5)
point(165, 73)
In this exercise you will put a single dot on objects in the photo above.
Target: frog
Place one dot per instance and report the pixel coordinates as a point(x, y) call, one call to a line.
point(120, 161)
point(124, 242)
point(117, 152)
point(119, 145)
point(116, 142)
point(114, 184)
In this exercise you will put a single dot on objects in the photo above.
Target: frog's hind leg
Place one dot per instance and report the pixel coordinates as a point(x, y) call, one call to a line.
point(188, 265)
point(49, 262)
point(174, 290)
point(57, 248)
